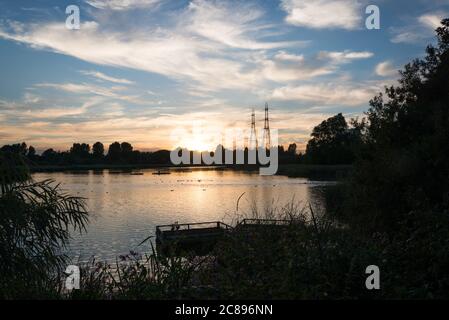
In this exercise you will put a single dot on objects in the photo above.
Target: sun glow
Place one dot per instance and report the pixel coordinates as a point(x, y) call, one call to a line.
point(199, 144)
point(198, 137)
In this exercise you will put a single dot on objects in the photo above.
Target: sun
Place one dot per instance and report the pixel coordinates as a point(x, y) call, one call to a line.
point(198, 144)
point(199, 138)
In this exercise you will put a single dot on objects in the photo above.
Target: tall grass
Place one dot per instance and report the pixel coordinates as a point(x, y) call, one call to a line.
point(35, 223)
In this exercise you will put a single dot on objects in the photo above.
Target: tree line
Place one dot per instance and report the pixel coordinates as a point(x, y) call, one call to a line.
point(84, 154)
point(117, 153)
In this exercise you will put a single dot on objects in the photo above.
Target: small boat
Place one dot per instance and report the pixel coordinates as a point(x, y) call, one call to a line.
point(136, 173)
point(162, 172)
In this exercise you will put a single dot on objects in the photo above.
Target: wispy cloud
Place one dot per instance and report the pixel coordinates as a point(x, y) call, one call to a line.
point(114, 92)
point(122, 4)
point(52, 113)
point(164, 52)
point(346, 56)
point(420, 29)
point(285, 66)
point(349, 94)
point(102, 76)
point(320, 14)
point(198, 47)
point(386, 69)
point(232, 24)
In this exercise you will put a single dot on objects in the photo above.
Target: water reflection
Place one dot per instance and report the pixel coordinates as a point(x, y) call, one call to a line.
point(126, 208)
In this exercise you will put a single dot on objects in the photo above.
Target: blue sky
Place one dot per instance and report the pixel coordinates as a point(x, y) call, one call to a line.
point(138, 69)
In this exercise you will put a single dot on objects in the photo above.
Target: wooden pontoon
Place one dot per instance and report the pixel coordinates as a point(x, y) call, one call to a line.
point(200, 238)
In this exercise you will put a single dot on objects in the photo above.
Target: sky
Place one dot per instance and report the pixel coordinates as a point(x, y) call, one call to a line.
point(138, 70)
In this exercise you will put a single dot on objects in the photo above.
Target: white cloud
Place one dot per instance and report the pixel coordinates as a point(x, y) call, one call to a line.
point(165, 52)
point(52, 113)
point(122, 4)
point(328, 94)
point(432, 21)
point(37, 108)
point(285, 66)
point(209, 45)
point(419, 30)
point(31, 98)
point(86, 89)
point(102, 76)
point(232, 24)
point(319, 14)
point(344, 56)
point(386, 69)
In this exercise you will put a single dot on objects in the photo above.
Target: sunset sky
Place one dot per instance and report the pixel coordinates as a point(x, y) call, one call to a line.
point(138, 69)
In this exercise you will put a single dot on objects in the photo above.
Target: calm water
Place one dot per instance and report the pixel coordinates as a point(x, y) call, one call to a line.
point(124, 208)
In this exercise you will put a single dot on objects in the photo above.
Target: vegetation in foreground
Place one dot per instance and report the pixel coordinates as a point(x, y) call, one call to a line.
point(392, 212)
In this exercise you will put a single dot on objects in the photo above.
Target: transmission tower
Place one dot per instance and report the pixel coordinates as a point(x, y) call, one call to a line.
point(253, 144)
point(266, 130)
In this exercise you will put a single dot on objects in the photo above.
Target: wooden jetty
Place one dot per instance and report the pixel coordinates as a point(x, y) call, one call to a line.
point(200, 238)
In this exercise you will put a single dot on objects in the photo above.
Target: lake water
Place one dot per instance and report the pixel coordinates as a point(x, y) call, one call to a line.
point(125, 209)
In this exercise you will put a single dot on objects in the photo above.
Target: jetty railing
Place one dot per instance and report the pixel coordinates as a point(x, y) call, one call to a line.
point(191, 226)
point(270, 222)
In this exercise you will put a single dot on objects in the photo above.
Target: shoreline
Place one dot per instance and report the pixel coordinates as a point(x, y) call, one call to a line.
point(319, 172)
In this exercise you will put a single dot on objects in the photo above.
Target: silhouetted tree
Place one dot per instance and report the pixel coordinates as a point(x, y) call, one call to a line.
point(292, 149)
point(404, 163)
point(126, 147)
point(98, 150)
point(19, 148)
point(333, 142)
point(31, 153)
point(50, 156)
point(81, 150)
point(114, 151)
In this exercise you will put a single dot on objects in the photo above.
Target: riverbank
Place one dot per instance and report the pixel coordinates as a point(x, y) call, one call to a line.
point(315, 172)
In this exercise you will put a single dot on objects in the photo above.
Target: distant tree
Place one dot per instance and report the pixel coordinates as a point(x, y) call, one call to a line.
point(98, 150)
point(126, 147)
point(48, 153)
point(50, 156)
point(161, 157)
point(292, 148)
point(333, 142)
point(19, 148)
point(81, 150)
point(114, 151)
point(31, 153)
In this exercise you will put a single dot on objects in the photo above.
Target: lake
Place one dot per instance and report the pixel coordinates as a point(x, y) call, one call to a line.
point(125, 209)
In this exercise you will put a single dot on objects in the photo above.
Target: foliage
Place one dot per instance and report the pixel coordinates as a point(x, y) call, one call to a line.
point(333, 142)
point(404, 162)
point(35, 220)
